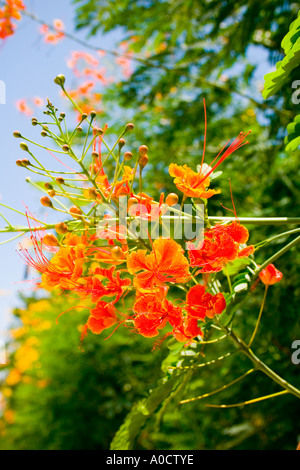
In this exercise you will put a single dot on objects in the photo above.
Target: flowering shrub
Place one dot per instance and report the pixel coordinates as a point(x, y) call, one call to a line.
point(136, 262)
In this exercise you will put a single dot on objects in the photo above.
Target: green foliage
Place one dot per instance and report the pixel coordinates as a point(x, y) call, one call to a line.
point(291, 46)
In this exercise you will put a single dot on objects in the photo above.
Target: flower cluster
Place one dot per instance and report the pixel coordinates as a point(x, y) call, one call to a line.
point(9, 12)
point(112, 257)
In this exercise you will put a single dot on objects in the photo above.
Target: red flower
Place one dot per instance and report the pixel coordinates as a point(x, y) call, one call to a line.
point(201, 304)
point(270, 275)
point(221, 244)
point(187, 331)
point(153, 314)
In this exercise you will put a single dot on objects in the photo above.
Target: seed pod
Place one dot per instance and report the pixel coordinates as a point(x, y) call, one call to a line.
point(50, 239)
point(172, 199)
point(75, 212)
point(45, 201)
point(61, 228)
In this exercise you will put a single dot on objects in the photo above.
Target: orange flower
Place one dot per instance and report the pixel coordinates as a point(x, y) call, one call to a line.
point(191, 183)
point(63, 270)
point(101, 317)
point(166, 263)
point(102, 283)
point(270, 275)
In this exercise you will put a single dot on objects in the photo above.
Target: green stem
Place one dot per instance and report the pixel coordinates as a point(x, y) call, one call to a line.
point(259, 317)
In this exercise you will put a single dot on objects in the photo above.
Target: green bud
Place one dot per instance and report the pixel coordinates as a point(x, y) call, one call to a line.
point(60, 80)
point(24, 146)
point(17, 134)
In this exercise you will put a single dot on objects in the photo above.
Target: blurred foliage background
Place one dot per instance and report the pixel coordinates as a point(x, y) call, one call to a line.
point(57, 395)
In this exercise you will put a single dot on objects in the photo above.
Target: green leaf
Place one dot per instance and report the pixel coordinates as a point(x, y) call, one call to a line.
point(291, 45)
point(135, 420)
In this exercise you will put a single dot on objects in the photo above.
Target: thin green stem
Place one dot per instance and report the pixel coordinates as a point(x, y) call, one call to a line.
point(259, 317)
point(205, 395)
point(249, 402)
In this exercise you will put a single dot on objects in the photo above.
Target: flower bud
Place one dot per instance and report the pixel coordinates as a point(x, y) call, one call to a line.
point(60, 80)
point(75, 212)
point(63, 115)
point(171, 199)
point(121, 143)
point(51, 193)
point(84, 116)
point(143, 161)
point(92, 193)
point(93, 114)
point(24, 146)
point(65, 148)
point(127, 156)
point(17, 134)
point(34, 121)
point(45, 201)
point(44, 134)
point(116, 253)
point(60, 180)
point(19, 162)
point(61, 228)
point(129, 127)
point(79, 129)
point(99, 131)
point(143, 149)
point(48, 186)
point(95, 154)
point(50, 239)
point(132, 201)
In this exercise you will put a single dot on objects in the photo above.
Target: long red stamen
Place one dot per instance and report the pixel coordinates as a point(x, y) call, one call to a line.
point(236, 144)
point(205, 129)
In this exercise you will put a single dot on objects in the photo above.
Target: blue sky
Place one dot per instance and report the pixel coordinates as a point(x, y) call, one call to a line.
point(28, 67)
